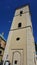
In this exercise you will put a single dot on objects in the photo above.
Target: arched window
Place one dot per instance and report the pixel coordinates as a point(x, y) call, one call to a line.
point(21, 12)
point(19, 25)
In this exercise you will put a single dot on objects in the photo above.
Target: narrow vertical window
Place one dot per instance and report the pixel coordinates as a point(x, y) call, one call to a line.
point(21, 12)
point(20, 24)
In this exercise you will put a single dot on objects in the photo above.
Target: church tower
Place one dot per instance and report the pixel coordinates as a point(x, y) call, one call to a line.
point(20, 49)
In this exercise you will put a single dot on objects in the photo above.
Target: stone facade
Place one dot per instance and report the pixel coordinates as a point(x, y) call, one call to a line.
point(20, 48)
point(2, 46)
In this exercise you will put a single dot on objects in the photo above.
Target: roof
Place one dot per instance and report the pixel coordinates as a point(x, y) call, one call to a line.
point(24, 6)
point(1, 36)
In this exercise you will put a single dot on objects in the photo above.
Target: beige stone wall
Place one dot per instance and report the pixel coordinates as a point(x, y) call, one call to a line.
point(30, 48)
point(3, 43)
point(24, 19)
point(2, 47)
point(22, 49)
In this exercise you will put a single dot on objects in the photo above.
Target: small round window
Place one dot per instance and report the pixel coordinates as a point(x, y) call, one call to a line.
point(19, 25)
point(17, 38)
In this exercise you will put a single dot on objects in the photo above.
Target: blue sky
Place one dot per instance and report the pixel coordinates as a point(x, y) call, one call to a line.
point(7, 9)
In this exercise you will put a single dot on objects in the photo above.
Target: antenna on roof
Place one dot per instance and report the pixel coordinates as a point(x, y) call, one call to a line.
point(2, 33)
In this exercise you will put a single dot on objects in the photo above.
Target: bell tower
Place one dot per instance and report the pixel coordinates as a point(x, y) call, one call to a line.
point(20, 47)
